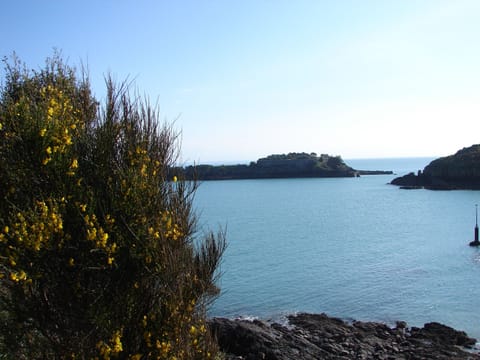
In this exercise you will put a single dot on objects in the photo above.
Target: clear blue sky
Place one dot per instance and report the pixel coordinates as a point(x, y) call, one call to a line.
point(247, 78)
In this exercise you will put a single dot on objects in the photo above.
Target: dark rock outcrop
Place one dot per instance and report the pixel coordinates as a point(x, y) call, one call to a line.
point(318, 336)
point(458, 171)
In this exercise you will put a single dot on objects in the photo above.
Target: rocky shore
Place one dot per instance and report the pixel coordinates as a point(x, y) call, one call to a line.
point(318, 336)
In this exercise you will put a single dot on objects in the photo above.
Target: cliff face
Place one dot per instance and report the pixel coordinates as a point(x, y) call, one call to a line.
point(465, 164)
point(458, 171)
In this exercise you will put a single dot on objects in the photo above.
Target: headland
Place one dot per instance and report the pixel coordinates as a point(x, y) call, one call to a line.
point(292, 165)
point(458, 171)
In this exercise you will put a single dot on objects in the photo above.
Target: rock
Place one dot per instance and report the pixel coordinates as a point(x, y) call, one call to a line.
point(401, 324)
point(439, 333)
point(318, 336)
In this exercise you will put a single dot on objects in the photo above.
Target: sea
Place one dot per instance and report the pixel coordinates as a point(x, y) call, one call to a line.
point(353, 248)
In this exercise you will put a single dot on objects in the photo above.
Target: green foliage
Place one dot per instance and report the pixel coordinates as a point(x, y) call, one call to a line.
point(292, 156)
point(335, 162)
point(99, 256)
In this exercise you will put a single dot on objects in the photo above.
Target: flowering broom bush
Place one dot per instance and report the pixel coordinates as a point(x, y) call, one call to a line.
point(99, 254)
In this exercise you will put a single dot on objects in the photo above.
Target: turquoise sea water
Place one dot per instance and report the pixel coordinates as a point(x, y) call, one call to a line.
point(354, 248)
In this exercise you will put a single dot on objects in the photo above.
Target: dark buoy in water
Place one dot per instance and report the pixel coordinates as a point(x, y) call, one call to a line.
point(476, 242)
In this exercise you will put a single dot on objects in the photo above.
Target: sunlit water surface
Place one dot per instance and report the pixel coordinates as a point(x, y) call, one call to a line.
point(354, 248)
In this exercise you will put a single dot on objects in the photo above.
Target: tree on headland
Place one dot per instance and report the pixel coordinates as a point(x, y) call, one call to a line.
point(100, 255)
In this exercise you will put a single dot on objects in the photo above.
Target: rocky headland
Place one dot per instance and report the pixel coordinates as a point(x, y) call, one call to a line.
point(292, 165)
point(318, 336)
point(458, 171)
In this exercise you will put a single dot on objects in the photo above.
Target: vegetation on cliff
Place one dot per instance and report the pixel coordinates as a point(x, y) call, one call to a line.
point(99, 254)
point(458, 171)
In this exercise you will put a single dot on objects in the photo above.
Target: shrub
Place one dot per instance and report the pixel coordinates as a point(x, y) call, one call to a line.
point(99, 251)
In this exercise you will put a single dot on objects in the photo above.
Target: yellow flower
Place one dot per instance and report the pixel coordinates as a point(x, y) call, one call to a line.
point(117, 342)
point(175, 179)
point(48, 150)
point(18, 276)
point(163, 346)
point(74, 164)
point(147, 335)
point(42, 132)
point(91, 234)
point(104, 237)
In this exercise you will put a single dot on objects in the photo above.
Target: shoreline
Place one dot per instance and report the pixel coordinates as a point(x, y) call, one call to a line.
point(319, 336)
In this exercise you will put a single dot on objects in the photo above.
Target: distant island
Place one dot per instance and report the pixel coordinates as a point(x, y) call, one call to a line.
point(458, 171)
point(292, 165)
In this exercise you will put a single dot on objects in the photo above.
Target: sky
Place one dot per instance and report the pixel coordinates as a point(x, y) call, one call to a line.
point(243, 79)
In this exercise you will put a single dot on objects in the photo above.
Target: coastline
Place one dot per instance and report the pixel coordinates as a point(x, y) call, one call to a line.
point(459, 171)
point(319, 336)
point(278, 166)
point(459, 252)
